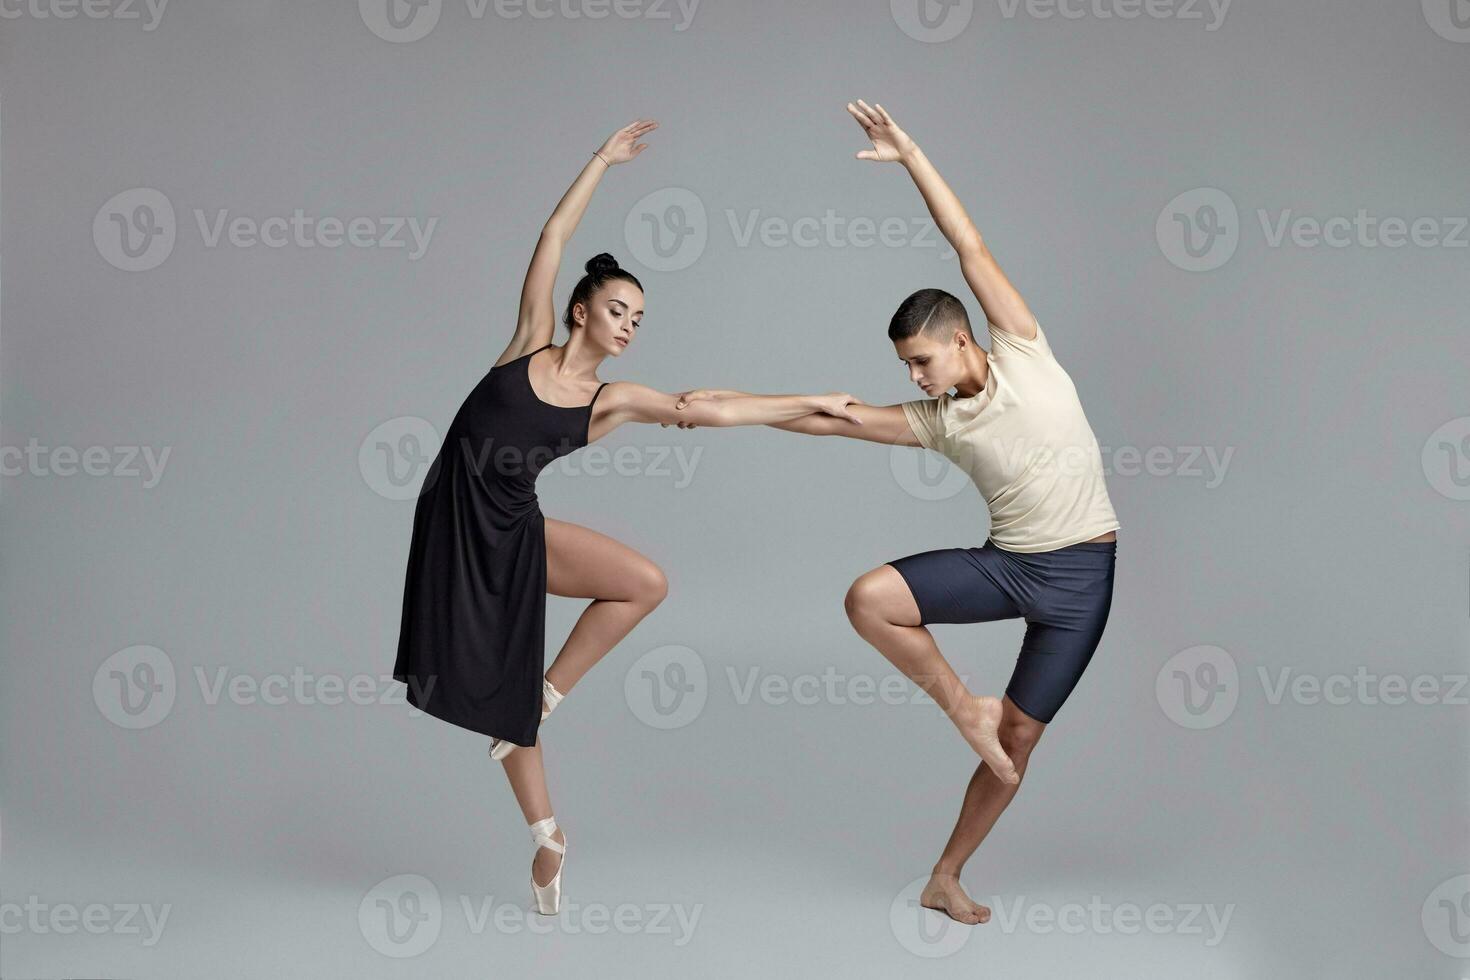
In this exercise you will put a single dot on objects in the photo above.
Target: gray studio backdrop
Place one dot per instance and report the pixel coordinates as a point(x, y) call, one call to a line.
point(255, 254)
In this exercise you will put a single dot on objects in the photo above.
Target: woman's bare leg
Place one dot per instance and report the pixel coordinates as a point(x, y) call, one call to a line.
point(883, 611)
point(527, 776)
point(624, 586)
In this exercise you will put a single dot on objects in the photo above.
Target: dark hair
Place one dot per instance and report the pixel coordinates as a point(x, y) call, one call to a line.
point(928, 311)
point(602, 269)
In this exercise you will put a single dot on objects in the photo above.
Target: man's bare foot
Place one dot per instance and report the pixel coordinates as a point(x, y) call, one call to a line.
point(979, 721)
point(944, 894)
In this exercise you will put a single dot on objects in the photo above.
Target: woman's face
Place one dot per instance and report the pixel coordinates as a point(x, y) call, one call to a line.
point(610, 317)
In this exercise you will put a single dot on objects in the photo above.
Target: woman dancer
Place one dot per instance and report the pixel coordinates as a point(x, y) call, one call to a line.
point(1017, 427)
point(483, 557)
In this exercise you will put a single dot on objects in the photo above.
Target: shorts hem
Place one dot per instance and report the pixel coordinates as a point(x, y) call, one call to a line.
point(1027, 711)
point(918, 602)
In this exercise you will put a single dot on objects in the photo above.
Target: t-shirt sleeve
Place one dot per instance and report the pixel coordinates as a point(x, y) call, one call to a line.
point(1006, 344)
point(924, 419)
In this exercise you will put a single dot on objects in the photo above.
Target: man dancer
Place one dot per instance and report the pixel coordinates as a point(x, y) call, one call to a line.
point(1015, 424)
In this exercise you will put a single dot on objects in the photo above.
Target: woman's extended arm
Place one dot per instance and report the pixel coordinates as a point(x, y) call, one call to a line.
point(872, 423)
point(1000, 300)
point(627, 402)
point(536, 322)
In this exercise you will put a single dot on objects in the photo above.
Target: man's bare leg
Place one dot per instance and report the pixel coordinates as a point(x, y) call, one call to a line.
point(985, 799)
point(883, 611)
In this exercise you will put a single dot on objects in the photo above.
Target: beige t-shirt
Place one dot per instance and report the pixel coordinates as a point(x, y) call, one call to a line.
point(1026, 444)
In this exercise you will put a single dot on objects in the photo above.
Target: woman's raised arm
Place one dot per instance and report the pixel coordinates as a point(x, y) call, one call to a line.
point(536, 321)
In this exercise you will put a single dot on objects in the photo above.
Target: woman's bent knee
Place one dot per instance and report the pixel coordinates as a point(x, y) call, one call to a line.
point(652, 586)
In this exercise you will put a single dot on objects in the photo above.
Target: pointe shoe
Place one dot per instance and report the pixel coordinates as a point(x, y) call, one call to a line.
point(550, 697)
point(548, 896)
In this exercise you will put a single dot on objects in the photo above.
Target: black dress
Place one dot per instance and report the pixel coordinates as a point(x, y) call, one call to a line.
point(471, 646)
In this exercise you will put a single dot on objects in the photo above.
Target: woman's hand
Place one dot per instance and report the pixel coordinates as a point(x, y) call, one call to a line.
point(623, 145)
point(836, 404)
point(698, 394)
point(889, 142)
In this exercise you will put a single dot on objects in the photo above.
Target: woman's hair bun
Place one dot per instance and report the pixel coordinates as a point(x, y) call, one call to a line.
point(601, 264)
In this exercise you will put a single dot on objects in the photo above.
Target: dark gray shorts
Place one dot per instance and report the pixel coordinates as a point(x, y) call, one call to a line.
point(1064, 596)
